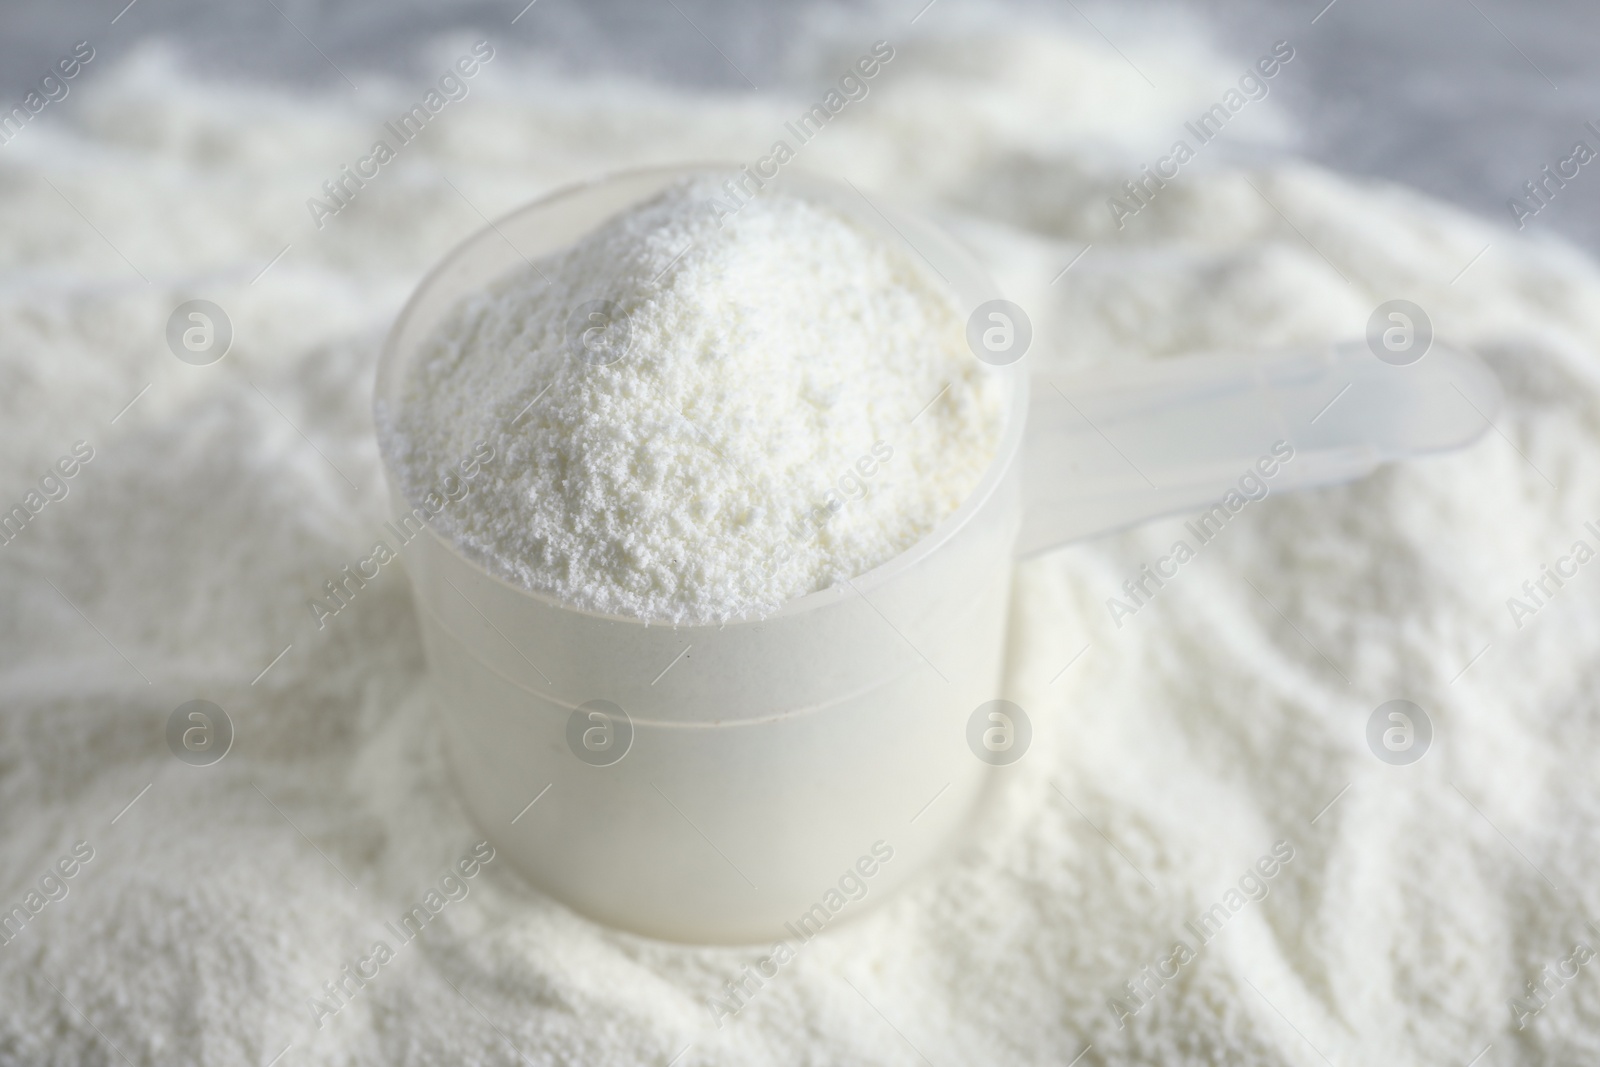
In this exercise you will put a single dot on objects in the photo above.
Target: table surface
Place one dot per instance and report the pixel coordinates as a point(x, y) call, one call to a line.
point(1464, 99)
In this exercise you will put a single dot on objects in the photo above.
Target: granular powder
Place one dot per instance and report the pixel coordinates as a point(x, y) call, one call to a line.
point(774, 401)
point(1230, 715)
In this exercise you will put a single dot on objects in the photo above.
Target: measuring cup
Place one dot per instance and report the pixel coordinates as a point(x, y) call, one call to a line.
point(765, 778)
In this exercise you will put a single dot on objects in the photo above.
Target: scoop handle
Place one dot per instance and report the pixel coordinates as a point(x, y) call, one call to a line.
point(1112, 448)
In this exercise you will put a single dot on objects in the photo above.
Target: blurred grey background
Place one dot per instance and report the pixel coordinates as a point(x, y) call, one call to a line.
point(1464, 99)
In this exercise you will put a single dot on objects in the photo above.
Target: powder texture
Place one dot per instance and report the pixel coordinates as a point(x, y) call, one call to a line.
point(1169, 755)
point(780, 401)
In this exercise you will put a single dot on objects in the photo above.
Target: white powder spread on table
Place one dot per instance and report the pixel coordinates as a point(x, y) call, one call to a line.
point(780, 400)
point(1170, 755)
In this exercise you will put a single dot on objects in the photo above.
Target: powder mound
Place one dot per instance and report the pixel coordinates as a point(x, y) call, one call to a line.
point(695, 415)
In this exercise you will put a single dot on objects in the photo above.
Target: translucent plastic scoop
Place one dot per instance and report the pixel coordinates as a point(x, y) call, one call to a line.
point(759, 780)
point(1117, 447)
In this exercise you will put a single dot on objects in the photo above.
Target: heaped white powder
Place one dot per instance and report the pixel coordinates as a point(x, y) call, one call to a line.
point(780, 400)
point(1228, 715)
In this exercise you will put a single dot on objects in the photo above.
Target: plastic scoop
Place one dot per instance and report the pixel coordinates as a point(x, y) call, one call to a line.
point(764, 779)
point(1185, 430)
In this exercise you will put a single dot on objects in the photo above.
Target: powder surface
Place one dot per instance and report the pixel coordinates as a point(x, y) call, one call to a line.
point(781, 400)
point(1170, 754)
